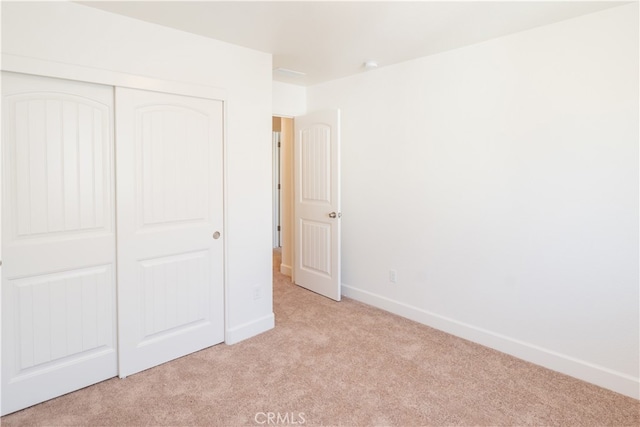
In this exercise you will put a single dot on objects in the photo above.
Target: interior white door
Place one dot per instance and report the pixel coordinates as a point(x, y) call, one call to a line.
point(58, 238)
point(317, 203)
point(170, 223)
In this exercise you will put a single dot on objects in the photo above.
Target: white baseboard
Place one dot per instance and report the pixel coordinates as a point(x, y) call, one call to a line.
point(598, 375)
point(285, 269)
point(250, 329)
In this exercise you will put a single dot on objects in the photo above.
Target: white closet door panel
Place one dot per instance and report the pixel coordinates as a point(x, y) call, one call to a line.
point(170, 277)
point(59, 148)
point(61, 316)
point(58, 240)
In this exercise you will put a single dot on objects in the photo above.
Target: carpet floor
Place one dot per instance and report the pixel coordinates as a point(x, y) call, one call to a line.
point(339, 364)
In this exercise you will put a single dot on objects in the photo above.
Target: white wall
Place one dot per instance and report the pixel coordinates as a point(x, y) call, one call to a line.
point(74, 34)
point(289, 100)
point(500, 180)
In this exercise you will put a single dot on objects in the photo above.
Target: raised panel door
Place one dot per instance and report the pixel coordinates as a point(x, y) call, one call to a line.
point(317, 203)
point(170, 268)
point(58, 240)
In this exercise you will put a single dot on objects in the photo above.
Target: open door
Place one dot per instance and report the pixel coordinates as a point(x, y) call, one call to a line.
point(317, 203)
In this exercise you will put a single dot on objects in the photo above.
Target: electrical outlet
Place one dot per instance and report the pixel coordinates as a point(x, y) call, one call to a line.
point(257, 292)
point(393, 276)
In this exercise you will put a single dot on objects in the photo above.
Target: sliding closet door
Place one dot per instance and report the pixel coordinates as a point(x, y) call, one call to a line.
point(170, 246)
point(58, 240)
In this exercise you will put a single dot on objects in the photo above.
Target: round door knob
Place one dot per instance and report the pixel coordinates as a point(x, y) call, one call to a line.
point(216, 235)
point(332, 215)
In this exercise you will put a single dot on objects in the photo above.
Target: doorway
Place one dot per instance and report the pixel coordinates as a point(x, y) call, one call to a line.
point(283, 191)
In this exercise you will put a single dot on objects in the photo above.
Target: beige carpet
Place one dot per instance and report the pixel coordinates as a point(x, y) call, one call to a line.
point(348, 364)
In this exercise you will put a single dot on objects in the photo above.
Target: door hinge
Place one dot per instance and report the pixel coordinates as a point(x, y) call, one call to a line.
point(279, 144)
point(278, 186)
point(278, 228)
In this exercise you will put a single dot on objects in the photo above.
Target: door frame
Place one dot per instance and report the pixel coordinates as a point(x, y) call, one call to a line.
point(44, 68)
